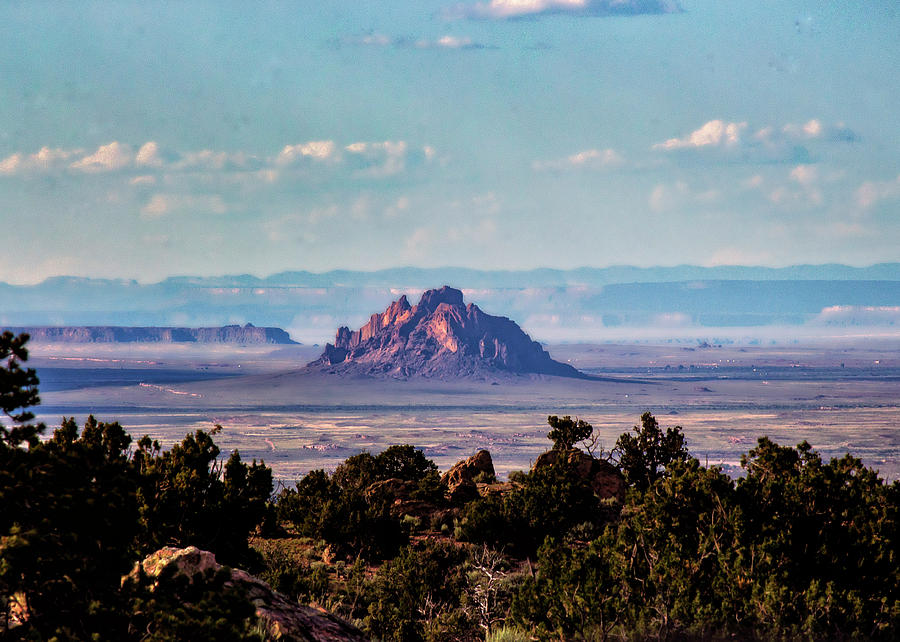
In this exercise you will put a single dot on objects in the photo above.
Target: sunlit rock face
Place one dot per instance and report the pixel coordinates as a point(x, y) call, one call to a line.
point(440, 337)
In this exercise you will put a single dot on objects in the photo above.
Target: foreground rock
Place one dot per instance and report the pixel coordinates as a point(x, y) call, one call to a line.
point(440, 337)
point(479, 464)
point(604, 479)
point(283, 620)
point(461, 478)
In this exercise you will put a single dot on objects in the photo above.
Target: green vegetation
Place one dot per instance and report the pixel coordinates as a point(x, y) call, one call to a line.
point(645, 456)
point(81, 507)
point(565, 432)
point(796, 549)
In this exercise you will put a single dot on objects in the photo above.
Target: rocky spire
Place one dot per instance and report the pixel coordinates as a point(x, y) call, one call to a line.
point(439, 337)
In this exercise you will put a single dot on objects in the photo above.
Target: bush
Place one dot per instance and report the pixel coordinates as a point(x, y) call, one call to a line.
point(404, 462)
point(644, 457)
point(339, 510)
point(418, 595)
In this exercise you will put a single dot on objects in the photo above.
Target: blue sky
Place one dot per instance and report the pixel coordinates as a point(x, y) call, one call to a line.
point(154, 139)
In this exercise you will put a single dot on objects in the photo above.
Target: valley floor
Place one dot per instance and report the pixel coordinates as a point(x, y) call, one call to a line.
point(839, 396)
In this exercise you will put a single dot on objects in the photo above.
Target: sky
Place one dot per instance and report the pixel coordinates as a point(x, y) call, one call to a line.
point(145, 140)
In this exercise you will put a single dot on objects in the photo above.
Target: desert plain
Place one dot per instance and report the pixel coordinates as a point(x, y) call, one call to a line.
point(841, 395)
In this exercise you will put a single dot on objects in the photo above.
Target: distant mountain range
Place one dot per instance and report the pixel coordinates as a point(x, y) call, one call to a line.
point(548, 303)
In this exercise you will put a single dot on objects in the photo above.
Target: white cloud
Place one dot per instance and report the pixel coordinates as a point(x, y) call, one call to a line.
point(207, 159)
point(380, 159)
point(454, 42)
point(11, 164)
point(801, 187)
point(808, 130)
point(45, 159)
point(807, 192)
point(107, 158)
point(871, 192)
point(320, 150)
point(587, 159)
point(805, 174)
point(159, 205)
point(798, 133)
point(148, 155)
point(163, 204)
point(715, 133)
point(767, 144)
point(376, 39)
point(143, 179)
point(447, 41)
point(511, 9)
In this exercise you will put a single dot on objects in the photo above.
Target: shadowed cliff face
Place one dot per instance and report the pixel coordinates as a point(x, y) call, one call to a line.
point(440, 337)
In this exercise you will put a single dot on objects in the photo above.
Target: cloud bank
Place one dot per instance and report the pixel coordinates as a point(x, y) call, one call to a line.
point(871, 193)
point(447, 42)
point(769, 143)
point(587, 159)
point(363, 158)
point(512, 9)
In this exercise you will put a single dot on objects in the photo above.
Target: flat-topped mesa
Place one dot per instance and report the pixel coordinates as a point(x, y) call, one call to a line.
point(244, 335)
point(440, 337)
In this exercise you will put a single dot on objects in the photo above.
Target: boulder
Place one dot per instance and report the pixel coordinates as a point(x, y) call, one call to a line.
point(605, 480)
point(498, 489)
point(392, 490)
point(469, 469)
point(460, 479)
point(282, 619)
point(463, 492)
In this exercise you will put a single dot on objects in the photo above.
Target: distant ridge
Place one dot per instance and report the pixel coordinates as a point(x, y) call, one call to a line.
point(441, 337)
point(537, 277)
point(246, 335)
point(552, 305)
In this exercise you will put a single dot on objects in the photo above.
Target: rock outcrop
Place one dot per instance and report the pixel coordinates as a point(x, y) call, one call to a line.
point(440, 337)
point(283, 619)
point(241, 334)
point(468, 469)
point(605, 480)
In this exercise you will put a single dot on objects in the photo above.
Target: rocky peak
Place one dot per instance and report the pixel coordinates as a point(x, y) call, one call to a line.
point(433, 298)
point(439, 337)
